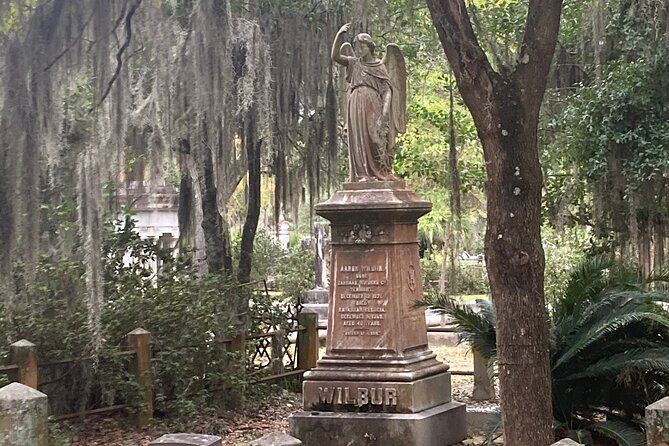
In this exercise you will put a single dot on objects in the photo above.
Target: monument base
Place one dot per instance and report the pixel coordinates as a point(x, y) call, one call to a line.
point(439, 426)
point(377, 396)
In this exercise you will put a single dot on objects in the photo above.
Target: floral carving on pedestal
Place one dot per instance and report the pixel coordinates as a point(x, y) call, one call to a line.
point(359, 234)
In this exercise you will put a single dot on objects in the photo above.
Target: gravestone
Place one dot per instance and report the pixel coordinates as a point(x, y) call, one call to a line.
point(566, 442)
point(378, 382)
point(657, 423)
point(316, 299)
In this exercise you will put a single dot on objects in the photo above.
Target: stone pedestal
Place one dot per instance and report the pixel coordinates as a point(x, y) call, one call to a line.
point(378, 374)
point(23, 416)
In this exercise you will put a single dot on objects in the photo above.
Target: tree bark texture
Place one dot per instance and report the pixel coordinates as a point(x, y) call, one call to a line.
point(217, 242)
point(253, 146)
point(505, 106)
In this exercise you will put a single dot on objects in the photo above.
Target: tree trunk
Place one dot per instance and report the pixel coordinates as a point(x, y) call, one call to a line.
point(253, 205)
point(216, 236)
point(505, 107)
point(515, 264)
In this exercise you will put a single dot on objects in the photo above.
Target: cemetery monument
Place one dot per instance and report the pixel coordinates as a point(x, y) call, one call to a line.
point(378, 382)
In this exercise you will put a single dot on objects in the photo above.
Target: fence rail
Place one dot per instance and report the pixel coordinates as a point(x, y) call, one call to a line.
point(274, 353)
point(25, 368)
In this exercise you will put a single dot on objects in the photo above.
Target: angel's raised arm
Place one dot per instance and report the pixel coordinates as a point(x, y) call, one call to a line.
point(337, 55)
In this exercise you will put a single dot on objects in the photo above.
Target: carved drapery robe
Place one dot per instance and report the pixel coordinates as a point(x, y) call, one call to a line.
point(369, 140)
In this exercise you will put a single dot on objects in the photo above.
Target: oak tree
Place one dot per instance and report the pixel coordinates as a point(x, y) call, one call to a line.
point(505, 104)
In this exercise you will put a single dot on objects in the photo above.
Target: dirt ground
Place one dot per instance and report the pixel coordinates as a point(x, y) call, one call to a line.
point(236, 428)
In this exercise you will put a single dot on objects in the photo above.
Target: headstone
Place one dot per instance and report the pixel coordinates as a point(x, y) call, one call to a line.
point(316, 299)
point(188, 440)
point(276, 439)
point(23, 416)
point(566, 442)
point(657, 423)
point(283, 232)
point(378, 377)
point(484, 388)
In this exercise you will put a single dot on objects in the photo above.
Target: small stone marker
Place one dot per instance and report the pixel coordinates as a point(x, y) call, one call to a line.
point(187, 440)
point(276, 439)
point(23, 416)
point(566, 442)
point(484, 389)
point(657, 423)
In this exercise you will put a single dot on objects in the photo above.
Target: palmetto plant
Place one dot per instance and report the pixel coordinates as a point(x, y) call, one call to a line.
point(609, 348)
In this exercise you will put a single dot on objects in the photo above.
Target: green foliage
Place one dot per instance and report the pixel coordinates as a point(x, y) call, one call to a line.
point(470, 279)
point(190, 318)
point(562, 249)
point(609, 350)
point(499, 25)
point(290, 270)
point(627, 117)
point(476, 327)
point(295, 271)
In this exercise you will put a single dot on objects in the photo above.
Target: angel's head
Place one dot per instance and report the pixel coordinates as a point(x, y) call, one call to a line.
point(363, 45)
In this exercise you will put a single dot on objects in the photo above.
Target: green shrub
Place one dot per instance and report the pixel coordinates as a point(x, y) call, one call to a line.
point(470, 279)
point(609, 353)
point(190, 319)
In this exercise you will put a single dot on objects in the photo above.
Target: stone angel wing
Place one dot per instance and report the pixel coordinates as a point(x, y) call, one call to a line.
point(397, 71)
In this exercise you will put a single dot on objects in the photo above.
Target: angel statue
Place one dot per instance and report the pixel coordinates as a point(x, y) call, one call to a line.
point(375, 105)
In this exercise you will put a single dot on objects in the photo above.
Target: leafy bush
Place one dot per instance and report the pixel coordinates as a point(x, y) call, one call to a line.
point(295, 272)
point(562, 250)
point(470, 279)
point(188, 316)
point(609, 351)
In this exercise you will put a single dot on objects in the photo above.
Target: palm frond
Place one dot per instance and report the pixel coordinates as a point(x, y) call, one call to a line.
point(586, 280)
point(617, 320)
point(465, 317)
point(623, 433)
point(488, 310)
point(660, 275)
point(476, 328)
point(642, 360)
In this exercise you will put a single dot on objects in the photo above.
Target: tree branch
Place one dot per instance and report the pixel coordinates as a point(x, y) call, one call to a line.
point(472, 69)
point(537, 49)
point(119, 54)
point(69, 47)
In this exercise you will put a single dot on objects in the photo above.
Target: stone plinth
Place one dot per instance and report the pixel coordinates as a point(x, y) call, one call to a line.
point(438, 426)
point(657, 423)
point(187, 440)
point(23, 416)
point(377, 363)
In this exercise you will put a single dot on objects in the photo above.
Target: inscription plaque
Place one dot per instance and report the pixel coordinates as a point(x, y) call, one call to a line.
point(360, 295)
